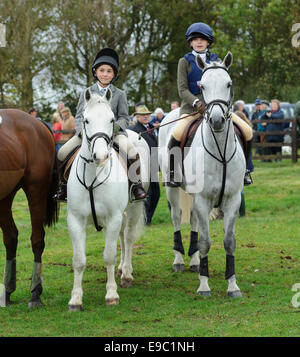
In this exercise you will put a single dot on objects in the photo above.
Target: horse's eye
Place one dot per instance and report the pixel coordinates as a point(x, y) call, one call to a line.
point(86, 121)
point(229, 84)
point(201, 86)
point(112, 120)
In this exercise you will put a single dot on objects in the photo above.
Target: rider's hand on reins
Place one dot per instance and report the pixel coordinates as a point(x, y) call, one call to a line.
point(200, 106)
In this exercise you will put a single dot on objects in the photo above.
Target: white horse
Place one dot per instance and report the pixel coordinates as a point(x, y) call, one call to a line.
point(214, 169)
point(98, 189)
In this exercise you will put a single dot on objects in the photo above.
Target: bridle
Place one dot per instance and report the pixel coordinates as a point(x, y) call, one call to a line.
point(227, 115)
point(91, 140)
point(208, 107)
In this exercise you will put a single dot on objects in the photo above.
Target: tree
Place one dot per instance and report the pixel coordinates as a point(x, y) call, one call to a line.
point(22, 59)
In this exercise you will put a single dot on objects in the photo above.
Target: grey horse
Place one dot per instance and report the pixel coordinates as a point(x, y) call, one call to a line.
point(214, 170)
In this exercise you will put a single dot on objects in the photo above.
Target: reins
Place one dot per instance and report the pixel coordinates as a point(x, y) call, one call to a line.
point(171, 122)
point(223, 160)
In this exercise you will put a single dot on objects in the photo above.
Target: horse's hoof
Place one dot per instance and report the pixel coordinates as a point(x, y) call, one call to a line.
point(194, 268)
point(178, 268)
point(126, 283)
point(204, 293)
point(112, 301)
point(34, 304)
point(75, 308)
point(235, 294)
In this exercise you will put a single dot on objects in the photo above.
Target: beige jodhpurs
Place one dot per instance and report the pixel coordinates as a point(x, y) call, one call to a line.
point(122, 140)
point(246, 129)
point(181, 125)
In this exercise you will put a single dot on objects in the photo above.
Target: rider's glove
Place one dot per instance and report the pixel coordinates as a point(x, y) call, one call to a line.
point(199, 106)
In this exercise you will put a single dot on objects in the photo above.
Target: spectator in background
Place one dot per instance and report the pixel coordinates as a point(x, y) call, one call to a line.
point(68, 123)
point(257, 112)
point(132, 116)
point(34, 113)
point(159, 114)
point(275, 113)
point(174, 105)
point(142, 125)
point(239, 105)
point(60, 107)
point(57, 126)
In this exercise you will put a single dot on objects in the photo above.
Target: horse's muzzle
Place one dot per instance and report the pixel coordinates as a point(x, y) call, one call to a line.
point(217, 124)
point(100, 160)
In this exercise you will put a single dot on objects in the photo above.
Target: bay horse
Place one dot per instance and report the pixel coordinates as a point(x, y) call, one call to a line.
point(214, 168)
point(98, 193)
point(28, 162)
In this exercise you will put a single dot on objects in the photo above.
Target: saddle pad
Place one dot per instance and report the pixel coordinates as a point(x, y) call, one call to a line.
point(69, 163)
point(191, 128)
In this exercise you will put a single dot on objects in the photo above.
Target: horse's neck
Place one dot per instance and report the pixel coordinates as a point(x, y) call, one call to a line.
point(213, 140)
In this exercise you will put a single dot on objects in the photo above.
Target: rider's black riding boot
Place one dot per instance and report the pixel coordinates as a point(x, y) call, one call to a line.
point(61, 194)
point(171, 167)
point(136, 187)
point(247, 179)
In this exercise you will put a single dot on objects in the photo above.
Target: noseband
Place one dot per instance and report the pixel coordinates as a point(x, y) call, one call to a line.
point(91, 140)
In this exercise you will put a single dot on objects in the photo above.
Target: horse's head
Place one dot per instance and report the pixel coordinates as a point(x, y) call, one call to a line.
point(217, 91)
point(98, 126)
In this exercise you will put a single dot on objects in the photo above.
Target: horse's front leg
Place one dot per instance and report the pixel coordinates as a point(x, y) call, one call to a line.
point(77, 232)
point(203, 211)
point(230, 214)
point(110, 257)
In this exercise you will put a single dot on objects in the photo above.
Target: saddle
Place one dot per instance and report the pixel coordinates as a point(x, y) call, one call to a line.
point(190, 131)
point(67, 164)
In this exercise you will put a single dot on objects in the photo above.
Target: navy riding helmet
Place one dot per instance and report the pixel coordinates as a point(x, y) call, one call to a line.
point(106, 56)
point(199, 29)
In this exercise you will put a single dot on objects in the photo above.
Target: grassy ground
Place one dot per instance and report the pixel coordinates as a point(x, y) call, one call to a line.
point(162, 303)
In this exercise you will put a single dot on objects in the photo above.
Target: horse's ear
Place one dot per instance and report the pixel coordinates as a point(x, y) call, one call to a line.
point(87, 95)
point(108, 95)
point(228, 60)
point(200, 62)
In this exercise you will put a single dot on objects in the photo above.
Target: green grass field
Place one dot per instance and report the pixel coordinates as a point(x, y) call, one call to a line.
point(162, 303)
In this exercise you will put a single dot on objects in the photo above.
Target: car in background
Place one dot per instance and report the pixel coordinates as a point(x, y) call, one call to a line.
point(288, 109)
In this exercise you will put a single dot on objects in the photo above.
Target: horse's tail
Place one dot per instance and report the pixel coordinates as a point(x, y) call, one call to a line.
point(52, 212)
